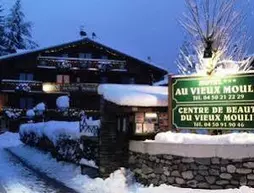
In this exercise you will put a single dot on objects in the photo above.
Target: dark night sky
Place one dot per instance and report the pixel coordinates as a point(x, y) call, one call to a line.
point(138, 27)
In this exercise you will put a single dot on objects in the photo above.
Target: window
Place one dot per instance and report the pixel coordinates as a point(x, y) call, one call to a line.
point(81, 55)
point(65, 55)
point(132, 80)
point(128, 80)
point(104, 79)
point(26, 76)
point(146, 122)
point(122, 124)
point(88, 55)
point(63, 79)
point(104, 57)
point(78, 79)
point(26, 103)
point(85, 55)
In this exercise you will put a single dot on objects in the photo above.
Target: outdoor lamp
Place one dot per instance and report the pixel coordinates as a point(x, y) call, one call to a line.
point(208, 53)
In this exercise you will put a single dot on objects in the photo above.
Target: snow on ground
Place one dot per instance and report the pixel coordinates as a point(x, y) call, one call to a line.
point(8, 139)
point(119, 182)
point(135, 95)
point(190, 138)
point(90, 163)
point(13, 177)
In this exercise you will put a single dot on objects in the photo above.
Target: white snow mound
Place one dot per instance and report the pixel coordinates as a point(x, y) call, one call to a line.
point(135, 95)
point(190, 138)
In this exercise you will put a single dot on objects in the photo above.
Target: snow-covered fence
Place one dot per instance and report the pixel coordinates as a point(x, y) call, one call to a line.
point(23, 87)
point(60, 138)
point(194, 161)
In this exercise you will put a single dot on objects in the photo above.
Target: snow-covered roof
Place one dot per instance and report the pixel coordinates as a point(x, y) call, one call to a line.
point(161, 83)
point(84, 40)
point(135, 95)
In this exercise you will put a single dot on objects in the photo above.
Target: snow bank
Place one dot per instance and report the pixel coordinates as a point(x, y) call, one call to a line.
point(53, 130)
point(189, 138)
point(63, 102)
point(135, 95)
point(8, 139)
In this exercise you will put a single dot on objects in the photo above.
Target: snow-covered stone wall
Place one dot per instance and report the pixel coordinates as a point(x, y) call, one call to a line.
point(194, 166)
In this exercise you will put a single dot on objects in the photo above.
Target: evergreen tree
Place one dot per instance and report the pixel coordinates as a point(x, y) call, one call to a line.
point(2, 32)
point(18, 31)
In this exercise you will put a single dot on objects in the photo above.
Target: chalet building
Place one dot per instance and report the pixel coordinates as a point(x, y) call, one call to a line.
point(74, 69)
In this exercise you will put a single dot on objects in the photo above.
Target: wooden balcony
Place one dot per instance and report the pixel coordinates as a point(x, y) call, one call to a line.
point(68, 88)
point(8, 85)
point(62, 63)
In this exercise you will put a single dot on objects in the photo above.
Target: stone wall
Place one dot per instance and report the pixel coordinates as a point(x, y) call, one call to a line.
point(193, 172)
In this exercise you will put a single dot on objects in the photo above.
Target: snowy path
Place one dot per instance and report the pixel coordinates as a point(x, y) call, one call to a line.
point(16, 177)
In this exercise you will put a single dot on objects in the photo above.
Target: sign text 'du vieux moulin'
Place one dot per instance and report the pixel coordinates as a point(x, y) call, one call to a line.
point(213, 102)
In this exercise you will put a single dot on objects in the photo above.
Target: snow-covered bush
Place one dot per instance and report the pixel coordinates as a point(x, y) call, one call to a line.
point(61, 138)
point(63, 65)
point(39, 109)
point(30, 113)
point(13, 113)
point(63, 103)
point(23, 87)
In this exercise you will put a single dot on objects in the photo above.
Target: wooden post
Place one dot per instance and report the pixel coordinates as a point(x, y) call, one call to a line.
point(170, 125)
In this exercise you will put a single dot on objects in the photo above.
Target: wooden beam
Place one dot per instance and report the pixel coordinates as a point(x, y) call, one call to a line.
point(170, 102)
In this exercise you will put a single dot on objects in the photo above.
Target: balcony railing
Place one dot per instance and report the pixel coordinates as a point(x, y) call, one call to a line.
point(8, 85)
point(72, 87)
point(81, 63)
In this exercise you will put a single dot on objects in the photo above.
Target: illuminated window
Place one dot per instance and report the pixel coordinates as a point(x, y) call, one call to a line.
point(146, 122)
point(63, 79)
point(151, 118)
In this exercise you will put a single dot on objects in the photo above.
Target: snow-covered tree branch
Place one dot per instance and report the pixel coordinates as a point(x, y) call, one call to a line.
point(216, 26)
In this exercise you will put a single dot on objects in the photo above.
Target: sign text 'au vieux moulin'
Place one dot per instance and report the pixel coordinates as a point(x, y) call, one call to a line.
point(213, 102)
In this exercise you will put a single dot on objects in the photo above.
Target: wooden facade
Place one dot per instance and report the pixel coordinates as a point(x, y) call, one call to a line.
point(73, 69)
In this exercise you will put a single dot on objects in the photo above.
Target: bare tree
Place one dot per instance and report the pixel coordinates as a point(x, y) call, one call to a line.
point(214, 28)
